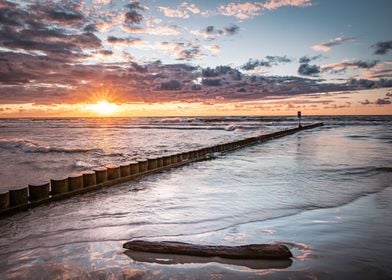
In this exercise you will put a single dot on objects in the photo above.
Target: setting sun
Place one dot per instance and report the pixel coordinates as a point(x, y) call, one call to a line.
point(104, 108)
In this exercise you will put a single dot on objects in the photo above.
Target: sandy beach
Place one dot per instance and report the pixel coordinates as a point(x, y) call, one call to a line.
point(323, 241)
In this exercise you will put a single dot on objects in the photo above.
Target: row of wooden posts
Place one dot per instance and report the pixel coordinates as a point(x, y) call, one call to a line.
point(36, 194)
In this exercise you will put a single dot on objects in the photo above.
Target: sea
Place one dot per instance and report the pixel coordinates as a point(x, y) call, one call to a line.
point(325, 193)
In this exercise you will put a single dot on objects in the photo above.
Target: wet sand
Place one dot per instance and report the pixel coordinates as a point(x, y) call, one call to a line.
point(322, 241)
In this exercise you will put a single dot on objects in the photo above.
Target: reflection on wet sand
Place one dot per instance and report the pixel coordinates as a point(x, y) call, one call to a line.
point(74, 271)
point(172, 259)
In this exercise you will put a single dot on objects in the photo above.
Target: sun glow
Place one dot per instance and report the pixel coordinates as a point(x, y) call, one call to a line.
point(104, 108)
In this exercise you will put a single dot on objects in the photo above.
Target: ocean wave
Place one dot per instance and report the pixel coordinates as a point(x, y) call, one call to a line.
point(386, 169)
point(29, 146)
point(358, 171)
point(179, 126)
point(232, 127)
point(177, 120)
point(84, 164)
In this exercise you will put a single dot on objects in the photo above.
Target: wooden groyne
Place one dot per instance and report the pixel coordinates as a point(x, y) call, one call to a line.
point(34, 195)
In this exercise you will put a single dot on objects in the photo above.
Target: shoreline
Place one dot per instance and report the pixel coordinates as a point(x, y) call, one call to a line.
point(315, 237)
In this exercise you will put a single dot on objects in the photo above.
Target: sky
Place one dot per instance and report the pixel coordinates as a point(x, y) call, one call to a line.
point(167, 58)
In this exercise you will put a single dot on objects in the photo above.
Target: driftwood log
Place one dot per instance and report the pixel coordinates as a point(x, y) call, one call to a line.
point(252, 251)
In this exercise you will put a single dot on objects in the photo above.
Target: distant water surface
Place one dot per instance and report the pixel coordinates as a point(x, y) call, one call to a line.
point(35, 150)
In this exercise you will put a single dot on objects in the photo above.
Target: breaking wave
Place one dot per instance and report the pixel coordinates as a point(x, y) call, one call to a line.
point(29, 146)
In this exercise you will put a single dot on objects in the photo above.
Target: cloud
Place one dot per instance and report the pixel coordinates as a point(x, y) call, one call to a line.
point(103, 2)
point(52, 42)
point(161, 30)
point(153, 26)
point(248, 10)
point(382, 48)
point(307, 59)
point(132, 16)
point(6, 4)
point(382, 101)
point(213, 49)
point(50, 53)
point(274, 60)
point(90, 28)
point(232, 29)
point(381, 70)
point(212, 82)
point(64, 13)
point(226, 72)
point(241, 10)
point(125, 41)
point(184, 10)
point(181, 50)
point(344, 65)
point(26, 78)
point(211, 32)
point(269, 61)
point(326, 47)
point(306, 69)
point(275, 4)
point(171, 85)
point(47, 29)
point(104, 52)
point(366, 102)
point(135, 5)
point(189, 53)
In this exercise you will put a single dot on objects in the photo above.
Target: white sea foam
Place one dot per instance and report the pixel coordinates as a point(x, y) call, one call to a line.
point(29, 146)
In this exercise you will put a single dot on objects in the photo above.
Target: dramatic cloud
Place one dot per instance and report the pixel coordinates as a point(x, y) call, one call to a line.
point(269, 61)
point(54, 52)
point(306, 69)
point(326, 47)
point(26, 78)
point(48, 29)
point(251, 9)
point(382, 48)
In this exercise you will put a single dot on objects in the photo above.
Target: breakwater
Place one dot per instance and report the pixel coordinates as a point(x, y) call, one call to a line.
point(36, 194)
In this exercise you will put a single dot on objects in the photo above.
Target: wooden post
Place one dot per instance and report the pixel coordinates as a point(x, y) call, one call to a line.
point(299, 119)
